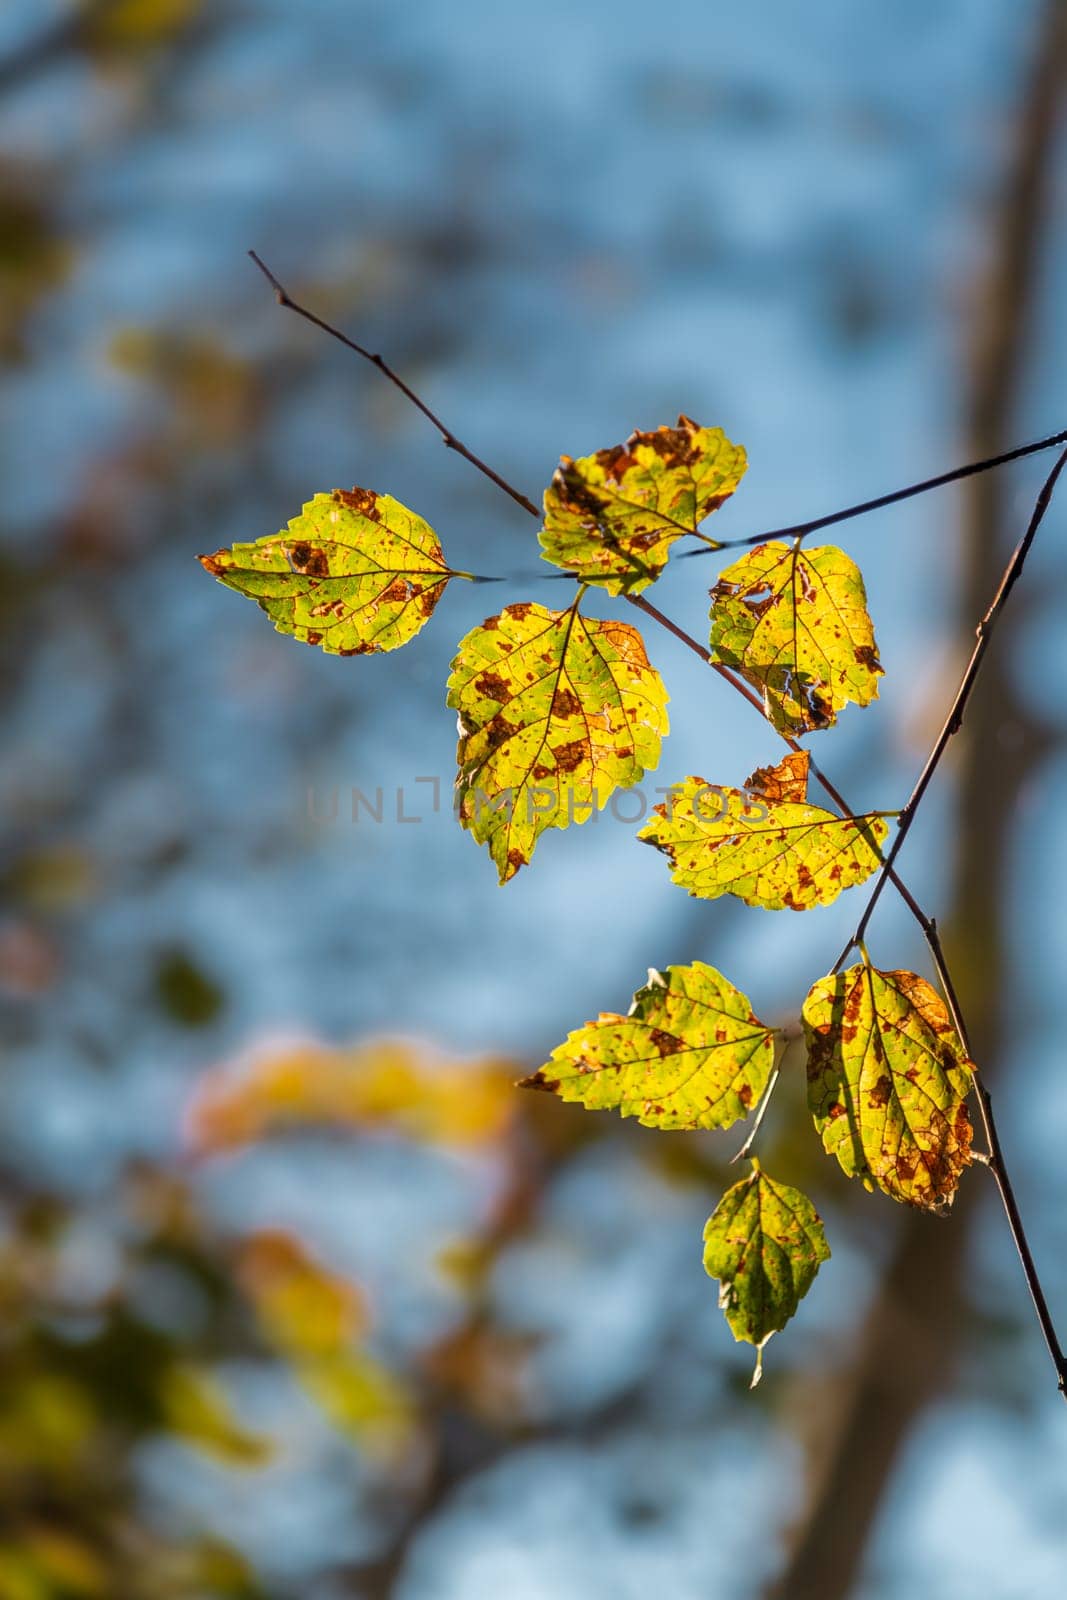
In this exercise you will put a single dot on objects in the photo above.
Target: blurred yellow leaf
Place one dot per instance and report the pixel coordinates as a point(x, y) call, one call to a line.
point(317, 1321)
point(302, 1305)
point(196, 1408)
point(132, 25)
point(386, 1084)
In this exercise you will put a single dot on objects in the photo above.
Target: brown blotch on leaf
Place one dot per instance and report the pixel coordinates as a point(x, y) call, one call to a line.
point(537, 1080)
point(363, 501)
point(744, 1094)
point(520, 611)
point(313, 637)
point(310, 560)
point(668, 1044)
point(329, 608)
point(565, 703)
point(571, 756)
point(879, 1095)
point(788, 781)
point(213, 563)
point(398, 591)
point(493, 686)
point(498, 731)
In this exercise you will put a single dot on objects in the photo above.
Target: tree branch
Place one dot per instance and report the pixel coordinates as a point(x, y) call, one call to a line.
point(800, 530)
point(452, 443)
point(954, 720)
point(887, 872)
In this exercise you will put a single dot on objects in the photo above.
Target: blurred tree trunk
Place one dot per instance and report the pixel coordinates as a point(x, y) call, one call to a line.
point(909, 1344)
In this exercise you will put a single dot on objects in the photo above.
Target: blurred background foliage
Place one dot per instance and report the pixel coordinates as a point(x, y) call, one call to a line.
point(298, 1297)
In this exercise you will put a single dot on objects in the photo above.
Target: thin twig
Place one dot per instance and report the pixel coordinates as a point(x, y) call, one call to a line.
point(285, 299)
point(743, 689)
point(954, 719)
point(950, 727)
point(799, 530)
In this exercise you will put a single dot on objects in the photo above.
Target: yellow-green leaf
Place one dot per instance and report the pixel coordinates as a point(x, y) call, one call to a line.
point(767, 852)
point(887, 1082)
point(612, 517)
point(356, 572)
point(794, 622)
point(556, 710)
point(764, 1242)
point(689, 1054)
point(197, 1408)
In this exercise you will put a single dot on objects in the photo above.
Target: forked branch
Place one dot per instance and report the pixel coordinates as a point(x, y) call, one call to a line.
point(953, 721)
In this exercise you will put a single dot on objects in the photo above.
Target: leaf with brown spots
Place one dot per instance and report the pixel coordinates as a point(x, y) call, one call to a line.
point(689, 1054)
point(794, 622)
point(887, 1082)
point(355, 573)
point(612, 517)
point(556, 710)
point(768, 852)
point(764, 1242)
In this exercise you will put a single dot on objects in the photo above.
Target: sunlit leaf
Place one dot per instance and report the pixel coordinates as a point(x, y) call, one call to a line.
point(556, 710)
point(356, 572)
point(794, 622)
point(774, 853)
point(385, 1084)
point(689, 1054)
point(613, 516)
point(887, 1081)
point(764, 1242)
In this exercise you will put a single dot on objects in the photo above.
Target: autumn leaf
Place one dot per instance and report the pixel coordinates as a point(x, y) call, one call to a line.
point(612, 517)
point(318, 1321)
point(764, 1242)
point(556, 710)
point(887, 1081)
point(385, 1085)
point(794, 622)
point(771, 852)
point(356, 572)
point(689, 1054)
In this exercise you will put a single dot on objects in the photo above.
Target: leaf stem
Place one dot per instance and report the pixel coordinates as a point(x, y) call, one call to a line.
point(761, 1112)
